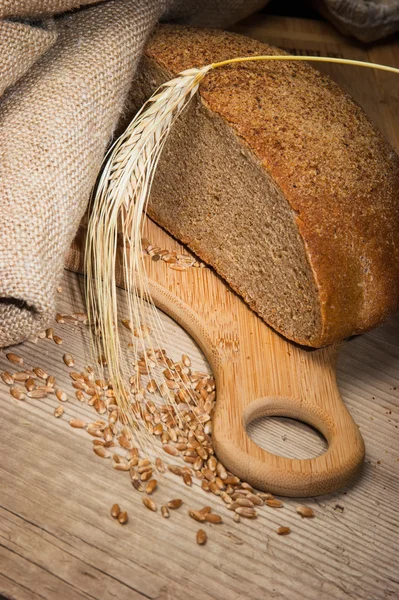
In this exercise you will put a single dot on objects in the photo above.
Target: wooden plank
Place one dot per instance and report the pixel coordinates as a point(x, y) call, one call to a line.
point(22, 576)
point(56, 495)
point(15, 590)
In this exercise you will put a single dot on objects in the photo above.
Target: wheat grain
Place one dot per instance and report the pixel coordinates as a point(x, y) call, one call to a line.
point(187, 479)
point(122, 517)
point(79, 385)
point(93, 430)
point(274, 503)
point(101, 452)
point(176, 503)
point(305, 511)
point(205, 510)
point(80, 396)
point(122, 466)
point(41, 373)
point(137, 485)
point(170, 450)
point(213, 518)
point(248, 513)
point(160, 465)
point(15, 358)
point(151, 485)
point(201, 537)
point(77, 423)
point(197, 515)
point(68, 360)
point(37, 394)
point(255, 499)
point(283, 531)
point(150, 504)
point(22, 376)
point(17, 393)
point(61, 396)
point(244, 502)
point(30, 384)
point(146, 475)
point(7, 378)
point(59, 411)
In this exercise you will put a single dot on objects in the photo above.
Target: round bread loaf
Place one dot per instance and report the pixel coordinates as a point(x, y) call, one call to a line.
point(276, 178)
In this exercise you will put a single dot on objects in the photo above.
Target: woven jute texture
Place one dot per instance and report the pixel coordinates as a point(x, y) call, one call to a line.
point(54, 127)
point(20, 46)
point(38, 8)
point(367, 20)
point(66, 82)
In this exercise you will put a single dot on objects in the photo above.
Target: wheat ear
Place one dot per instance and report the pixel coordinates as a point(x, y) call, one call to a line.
point(121, 198)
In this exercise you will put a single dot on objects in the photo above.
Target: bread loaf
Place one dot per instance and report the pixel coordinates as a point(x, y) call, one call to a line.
point(276, 178)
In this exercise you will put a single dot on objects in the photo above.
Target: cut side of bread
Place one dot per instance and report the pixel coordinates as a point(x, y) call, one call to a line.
point(276, 178)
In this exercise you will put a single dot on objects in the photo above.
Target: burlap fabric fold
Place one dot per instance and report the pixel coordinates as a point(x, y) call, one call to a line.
point(21, 45)
point(66, 82)
point(38, 8)
point(367, 20)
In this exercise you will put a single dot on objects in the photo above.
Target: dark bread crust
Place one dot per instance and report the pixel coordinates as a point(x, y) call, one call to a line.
point(333, 166)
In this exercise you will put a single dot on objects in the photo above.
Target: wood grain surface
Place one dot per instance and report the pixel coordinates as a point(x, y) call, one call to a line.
point(258, 373)
point(57, 539)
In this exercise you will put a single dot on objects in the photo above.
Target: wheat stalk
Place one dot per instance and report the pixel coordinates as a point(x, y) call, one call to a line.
point(121, 198)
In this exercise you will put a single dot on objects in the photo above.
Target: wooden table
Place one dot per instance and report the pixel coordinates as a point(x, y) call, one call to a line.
point(57, 539)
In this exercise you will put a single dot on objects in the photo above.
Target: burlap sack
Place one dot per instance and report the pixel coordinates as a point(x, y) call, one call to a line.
point(367, 20)
point(55, 123)
point(20, 46)
point(210, 13)
point(38, 8)
point(54, 127)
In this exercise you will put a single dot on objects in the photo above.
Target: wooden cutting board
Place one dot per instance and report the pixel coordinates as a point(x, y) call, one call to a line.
point(258, 373)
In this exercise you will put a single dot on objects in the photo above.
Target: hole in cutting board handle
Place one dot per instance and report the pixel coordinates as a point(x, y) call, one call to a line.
point(287, 410)
point(290, 438)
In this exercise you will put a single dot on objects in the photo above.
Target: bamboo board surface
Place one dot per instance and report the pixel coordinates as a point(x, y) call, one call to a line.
point(58, 541)
point(257, 372)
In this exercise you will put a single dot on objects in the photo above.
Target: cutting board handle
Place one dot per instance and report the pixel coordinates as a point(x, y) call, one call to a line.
point(288, 476)
point(308, 392)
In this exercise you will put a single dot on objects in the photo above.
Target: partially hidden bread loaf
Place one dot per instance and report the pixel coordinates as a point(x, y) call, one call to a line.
point(276, 178)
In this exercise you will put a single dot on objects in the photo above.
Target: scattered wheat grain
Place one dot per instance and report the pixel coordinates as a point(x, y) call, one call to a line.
point(201, 537)
point(17, 393)
point(305, 512)
point(283, 531)
point(15, 358)
point(7, 378)
point(150, 504)
point(59, 411)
